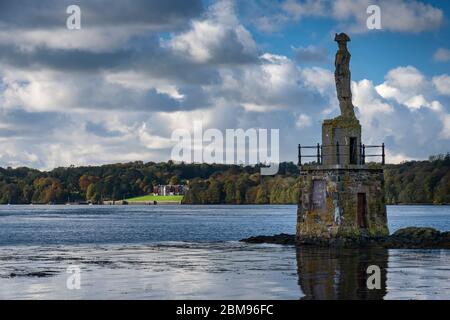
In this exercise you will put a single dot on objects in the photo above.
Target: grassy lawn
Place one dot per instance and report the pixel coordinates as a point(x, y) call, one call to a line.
point(156, 198)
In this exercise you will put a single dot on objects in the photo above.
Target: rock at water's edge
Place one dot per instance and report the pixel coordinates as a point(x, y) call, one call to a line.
point(411, 237)
point(419, 237)
point(281, 238)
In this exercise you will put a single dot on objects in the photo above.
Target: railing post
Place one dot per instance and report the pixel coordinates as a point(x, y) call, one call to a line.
point(318, 153)
point(321, 154)
point(337, 152)
point(299, 155)
point(360, 154)
point(382, 153)
point(364, 154)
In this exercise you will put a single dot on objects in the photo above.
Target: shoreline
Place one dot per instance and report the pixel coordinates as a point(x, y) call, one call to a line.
point(404, 238)
point(140, 203)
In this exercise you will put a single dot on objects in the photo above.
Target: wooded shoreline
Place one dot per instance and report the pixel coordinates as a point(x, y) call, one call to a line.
point(413, 182)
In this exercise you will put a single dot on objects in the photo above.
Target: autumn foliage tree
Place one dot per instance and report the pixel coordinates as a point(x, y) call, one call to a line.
point(409, 182)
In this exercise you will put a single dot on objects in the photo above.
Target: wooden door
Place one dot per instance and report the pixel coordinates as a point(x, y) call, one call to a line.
point(362, 210)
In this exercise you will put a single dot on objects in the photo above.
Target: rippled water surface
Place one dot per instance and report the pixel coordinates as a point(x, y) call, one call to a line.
point(158, 252)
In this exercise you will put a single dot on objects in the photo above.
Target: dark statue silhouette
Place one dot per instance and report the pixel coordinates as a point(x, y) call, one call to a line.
point(342, 76)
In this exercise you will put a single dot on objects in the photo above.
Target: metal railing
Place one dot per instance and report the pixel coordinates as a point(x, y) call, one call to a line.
point(340, 150)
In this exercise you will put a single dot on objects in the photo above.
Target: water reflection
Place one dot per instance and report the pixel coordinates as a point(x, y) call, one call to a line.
point(228, 270)
point(340, 273)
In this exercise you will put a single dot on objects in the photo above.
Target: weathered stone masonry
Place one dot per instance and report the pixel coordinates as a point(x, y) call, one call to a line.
point(340, 195)
point(331, 198)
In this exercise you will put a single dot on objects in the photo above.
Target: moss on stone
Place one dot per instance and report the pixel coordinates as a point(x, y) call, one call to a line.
point(347, 183)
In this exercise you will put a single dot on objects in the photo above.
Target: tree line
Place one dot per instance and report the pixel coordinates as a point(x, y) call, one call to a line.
point(409, 182)
point(419, 181)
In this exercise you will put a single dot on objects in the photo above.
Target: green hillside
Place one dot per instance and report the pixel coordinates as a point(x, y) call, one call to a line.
point(155, 198)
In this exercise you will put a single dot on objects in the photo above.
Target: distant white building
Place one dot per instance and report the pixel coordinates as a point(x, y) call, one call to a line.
point(169, 190)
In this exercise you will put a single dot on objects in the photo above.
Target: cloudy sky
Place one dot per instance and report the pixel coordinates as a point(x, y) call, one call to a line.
point(115, 90)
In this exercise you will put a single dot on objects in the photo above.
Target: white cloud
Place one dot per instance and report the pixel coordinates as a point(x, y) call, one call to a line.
point(68, 141)
point(441, 55)
point(52, 90)
point(140, 81)
point(303, 121)
point(152, 140)
point(405, 77)
point(367, 99)
point(417, 102)
point(404, 112)
point(88, 39)
point(445, 133)
point(393, 157)
point(319, 79)
point(396, 15)
point(409, 87)
point(351, 15)
point(270, 24)
point(211, 71)
point(106, 25)
point(279, 71)
point(253, 107)
point(442, 84)
point(278, 87)
point(218, 37)
point(298, 10)
point(37, 91)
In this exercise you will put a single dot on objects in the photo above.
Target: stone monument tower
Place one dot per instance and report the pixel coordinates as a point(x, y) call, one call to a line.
point(340, 195)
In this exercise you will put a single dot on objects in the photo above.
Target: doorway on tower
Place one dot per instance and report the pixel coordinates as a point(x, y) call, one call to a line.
point(353, 153)
point(362, 210)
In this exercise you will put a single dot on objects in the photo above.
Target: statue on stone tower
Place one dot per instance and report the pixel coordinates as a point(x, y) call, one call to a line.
point(342, 76)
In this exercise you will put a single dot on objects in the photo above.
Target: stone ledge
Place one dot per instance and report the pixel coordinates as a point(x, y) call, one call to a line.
point(349, 167)
point(341, 121)
point(406, 238)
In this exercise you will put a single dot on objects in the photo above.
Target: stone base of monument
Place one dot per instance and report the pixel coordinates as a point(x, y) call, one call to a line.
point(406, 238)
point(341, 201)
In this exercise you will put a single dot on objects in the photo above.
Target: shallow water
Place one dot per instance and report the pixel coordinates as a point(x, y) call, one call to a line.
point(189, 252)
point(36, 225)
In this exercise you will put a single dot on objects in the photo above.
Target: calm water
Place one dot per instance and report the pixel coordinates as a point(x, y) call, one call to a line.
point(145, 252)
